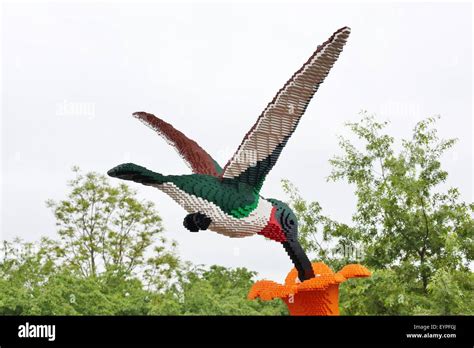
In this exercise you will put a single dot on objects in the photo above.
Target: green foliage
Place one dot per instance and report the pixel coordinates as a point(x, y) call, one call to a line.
point(383, 293)
point(31, 283)
point(110, 259)
point(416, 238)
point(105, 228)
point(215, 291)
point(401, 214)
point(450, 292)
point(386, 292)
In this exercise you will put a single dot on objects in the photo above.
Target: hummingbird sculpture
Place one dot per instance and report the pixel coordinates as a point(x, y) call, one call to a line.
point(227, 200)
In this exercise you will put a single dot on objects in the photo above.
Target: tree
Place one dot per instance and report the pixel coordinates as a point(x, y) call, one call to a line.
point(110, 259)
point(31, 283)
point(105, 228)
point(23, 266)
point(402, 218)
point(413, 233)
point(214, 291)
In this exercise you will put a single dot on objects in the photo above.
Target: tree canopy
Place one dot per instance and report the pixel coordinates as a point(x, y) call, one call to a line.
point(415, 235)
point(110, 258)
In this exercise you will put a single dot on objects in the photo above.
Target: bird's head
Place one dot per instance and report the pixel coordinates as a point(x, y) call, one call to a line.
point(283, 224)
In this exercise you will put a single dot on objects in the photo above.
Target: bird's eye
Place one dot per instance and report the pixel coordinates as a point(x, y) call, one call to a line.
point(292, 222)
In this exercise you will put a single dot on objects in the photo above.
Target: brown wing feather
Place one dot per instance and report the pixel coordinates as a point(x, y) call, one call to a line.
point(195, 156)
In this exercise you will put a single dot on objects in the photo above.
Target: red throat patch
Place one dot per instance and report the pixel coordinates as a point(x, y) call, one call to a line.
point(273, 230)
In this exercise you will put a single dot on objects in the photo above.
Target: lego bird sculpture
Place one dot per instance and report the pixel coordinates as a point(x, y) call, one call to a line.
point(227, 200)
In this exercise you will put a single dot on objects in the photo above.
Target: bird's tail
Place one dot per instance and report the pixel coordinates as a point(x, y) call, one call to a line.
point(133, 172)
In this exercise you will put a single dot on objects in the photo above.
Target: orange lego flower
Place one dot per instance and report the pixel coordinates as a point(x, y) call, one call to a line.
point(315, 296)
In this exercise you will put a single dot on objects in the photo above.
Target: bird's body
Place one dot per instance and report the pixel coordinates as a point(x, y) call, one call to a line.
point(228, 200)
point(235, 210)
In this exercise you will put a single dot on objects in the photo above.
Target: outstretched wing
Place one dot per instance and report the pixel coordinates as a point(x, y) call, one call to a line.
point(197, 159)
point(263, 144)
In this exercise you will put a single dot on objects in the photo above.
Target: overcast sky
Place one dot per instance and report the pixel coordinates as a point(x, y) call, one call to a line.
point(210, 69)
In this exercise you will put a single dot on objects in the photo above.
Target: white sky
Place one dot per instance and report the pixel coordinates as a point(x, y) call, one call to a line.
point(210, 69)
